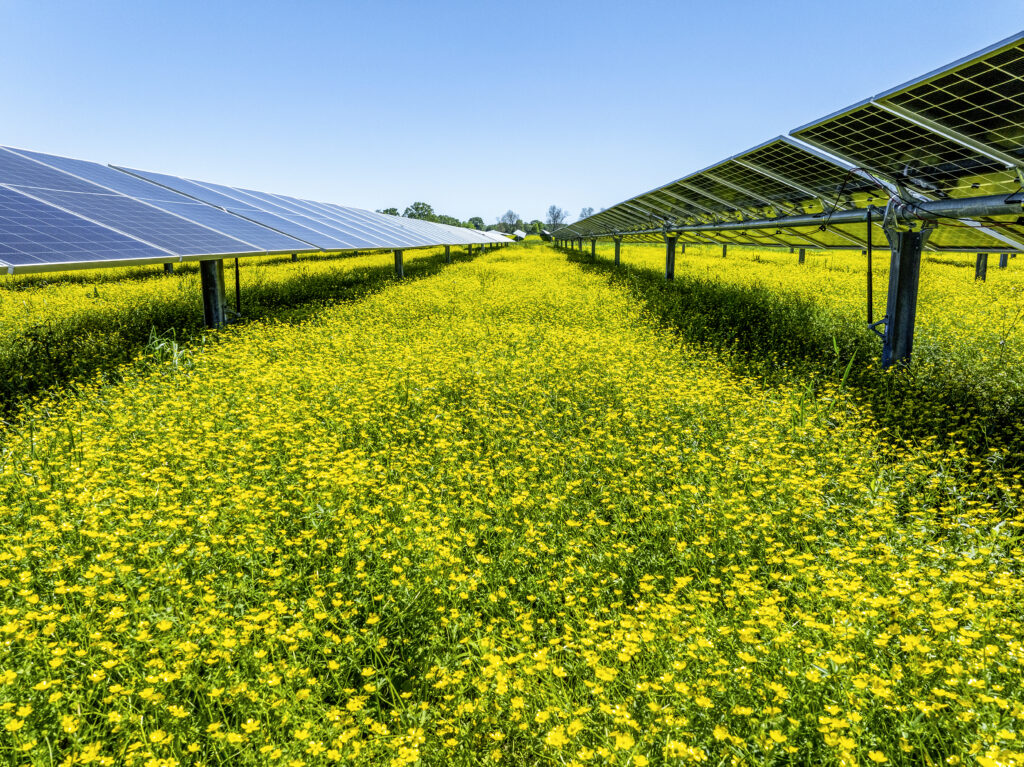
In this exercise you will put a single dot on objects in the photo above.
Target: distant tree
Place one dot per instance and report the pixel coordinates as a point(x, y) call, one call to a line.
point(420, 210)
point(476, 222)
point(586, 213)
point(534, 227)
point(388, 211)
point(556, 218)
point(440, 218)
point(508, 221)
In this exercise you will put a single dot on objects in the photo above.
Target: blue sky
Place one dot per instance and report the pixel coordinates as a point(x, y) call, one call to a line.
point(473, 107)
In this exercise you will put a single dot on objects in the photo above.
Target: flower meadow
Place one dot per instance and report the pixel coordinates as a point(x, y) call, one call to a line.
point(776, 319)
point(497, 514)
point(56, 327)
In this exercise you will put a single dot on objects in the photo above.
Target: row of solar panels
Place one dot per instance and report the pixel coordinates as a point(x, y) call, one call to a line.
point(955, 132)
point(61, 213)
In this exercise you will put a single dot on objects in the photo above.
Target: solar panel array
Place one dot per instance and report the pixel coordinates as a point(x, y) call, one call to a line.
point(62, 213)
point(956, 132)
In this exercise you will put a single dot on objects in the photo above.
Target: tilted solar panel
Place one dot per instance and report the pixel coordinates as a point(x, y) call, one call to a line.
point(135, 218)
point(291, 207)
point(981, 98)
point(258, 237)
point(247, 209)
point(900, 150)
point(36, 235)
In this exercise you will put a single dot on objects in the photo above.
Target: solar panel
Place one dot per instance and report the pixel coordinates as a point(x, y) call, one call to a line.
point(290, 206)
point(335, 237)
point(174, 234)
point(211, 194)
point(259, 237)
point(910, 154)
point(981, 97)
point(368, 224)
point(381, 226)
point(37, 235)
point(389, 225)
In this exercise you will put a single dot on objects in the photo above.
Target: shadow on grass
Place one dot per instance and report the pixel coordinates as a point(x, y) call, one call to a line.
point(74, 348)
point(787, 338)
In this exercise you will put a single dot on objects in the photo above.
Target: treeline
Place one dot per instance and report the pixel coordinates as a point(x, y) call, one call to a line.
point(509, 222)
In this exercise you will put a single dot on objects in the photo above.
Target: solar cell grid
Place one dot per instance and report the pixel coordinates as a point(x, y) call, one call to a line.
point(804, 168)
point(191, 189)
point(771, 189)
point(885, 142)
point(736, 199)
point(370, 237)
point(983, 100)
point(106, 177)
point(35, 234)
point(155, 226)
point(20, 171)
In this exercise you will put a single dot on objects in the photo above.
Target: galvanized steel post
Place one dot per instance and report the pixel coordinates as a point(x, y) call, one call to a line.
point(981, 267)
point(670, 256)
point(399, 266)
point(800, 258)
point(211, 275)
point(168, 268)
point(447, 254)
point(901, 304)
point(1004, 260)
point(295, 257)
point(618, 249)
point(725, 250)
point(593, 248)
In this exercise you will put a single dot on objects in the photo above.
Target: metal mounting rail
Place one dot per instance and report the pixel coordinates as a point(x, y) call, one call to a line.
point(904, 212)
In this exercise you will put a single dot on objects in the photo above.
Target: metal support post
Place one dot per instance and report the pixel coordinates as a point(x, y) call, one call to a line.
point(618, 249)
point(800, 258)
point(870, 276)
point(682, 247)
point(211, 274)
point(670, 256)
point(725, 250)
point(399, 266)
point(901, 303)
point(447, 254)
point(295, 257)
point(593, 248)
point(1004, 260)
point(981, 267)
point(238, 291)
point(168, 268)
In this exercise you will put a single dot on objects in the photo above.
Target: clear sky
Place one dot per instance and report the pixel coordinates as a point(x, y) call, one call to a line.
point(473, 106)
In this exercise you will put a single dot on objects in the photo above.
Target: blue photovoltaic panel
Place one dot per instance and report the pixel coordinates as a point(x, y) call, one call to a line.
point(114, 210)
point(366, 235)
point(390, 225)
point(155, 226)
point(16, 170)
point(191, 189)
point(387, 227)
point(259, 237)
point(34, 234)
point(103, 175)
point(341, 239)
point(212, 194)
point(263, 237)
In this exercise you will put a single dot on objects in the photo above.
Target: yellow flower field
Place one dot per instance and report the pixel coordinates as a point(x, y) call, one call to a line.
point(496, 515)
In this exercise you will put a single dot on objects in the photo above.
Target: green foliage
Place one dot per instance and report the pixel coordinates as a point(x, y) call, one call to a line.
point(420, 210)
